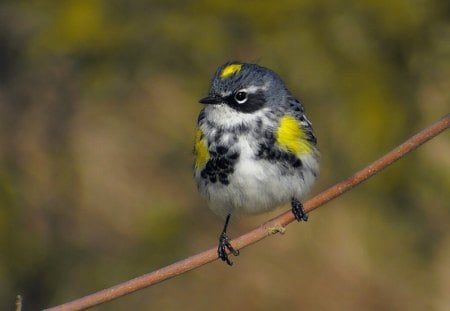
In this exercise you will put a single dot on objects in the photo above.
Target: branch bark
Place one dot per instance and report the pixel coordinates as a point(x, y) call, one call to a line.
point(272, 226)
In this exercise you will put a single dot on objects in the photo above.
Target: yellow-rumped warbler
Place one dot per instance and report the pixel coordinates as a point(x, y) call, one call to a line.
point(254, 147)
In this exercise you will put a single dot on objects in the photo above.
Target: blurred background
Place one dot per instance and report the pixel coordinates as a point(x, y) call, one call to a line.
point(98, 108)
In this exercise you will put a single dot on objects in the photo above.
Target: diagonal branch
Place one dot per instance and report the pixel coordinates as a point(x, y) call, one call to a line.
point(270, 227)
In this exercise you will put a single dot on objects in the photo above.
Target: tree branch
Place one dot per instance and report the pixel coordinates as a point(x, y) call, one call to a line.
point(270, 227)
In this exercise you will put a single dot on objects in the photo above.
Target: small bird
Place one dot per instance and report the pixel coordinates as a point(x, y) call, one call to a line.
point(254, 147)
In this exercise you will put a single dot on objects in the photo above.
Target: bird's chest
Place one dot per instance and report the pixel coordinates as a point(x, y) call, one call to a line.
point(228, 152)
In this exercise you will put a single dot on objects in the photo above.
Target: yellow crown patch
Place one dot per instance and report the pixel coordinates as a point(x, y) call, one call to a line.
point(230, 70)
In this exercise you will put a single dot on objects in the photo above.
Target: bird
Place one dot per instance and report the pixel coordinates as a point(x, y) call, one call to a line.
point(254, 147)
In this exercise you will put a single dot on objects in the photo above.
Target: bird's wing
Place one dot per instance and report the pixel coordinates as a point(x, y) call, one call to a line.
point(292, 137)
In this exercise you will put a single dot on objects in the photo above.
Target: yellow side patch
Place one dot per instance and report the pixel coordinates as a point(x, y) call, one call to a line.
point(291, 137)
point(230, 70)
point(200, 150)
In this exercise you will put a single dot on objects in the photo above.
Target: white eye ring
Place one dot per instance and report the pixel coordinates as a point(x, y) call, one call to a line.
point(241, 97)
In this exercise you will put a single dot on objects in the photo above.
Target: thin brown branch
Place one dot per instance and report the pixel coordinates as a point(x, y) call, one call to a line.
point(18, 303)
point(270, 227)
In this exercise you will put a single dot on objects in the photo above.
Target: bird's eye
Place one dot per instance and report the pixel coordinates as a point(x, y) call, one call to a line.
point(240, 97)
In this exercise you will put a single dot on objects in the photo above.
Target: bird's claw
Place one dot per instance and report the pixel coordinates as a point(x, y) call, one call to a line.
point(298, 211)
point(224, 245)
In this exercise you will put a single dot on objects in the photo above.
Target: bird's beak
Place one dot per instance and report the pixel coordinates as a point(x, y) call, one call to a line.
point(210, 100)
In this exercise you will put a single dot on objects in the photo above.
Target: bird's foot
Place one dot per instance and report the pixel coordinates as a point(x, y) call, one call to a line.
point(224, 245)
point(298, 211)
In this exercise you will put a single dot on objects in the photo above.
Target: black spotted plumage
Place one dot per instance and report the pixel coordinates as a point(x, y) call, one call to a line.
point(220, 165)
point(287, 161)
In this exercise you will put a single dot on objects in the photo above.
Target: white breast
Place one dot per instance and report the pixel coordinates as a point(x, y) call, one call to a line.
point(256, 185)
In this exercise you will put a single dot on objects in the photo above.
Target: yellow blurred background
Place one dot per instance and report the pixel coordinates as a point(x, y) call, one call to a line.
point(98, 108)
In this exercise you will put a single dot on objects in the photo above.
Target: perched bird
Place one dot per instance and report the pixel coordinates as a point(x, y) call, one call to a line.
point(254, 147)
